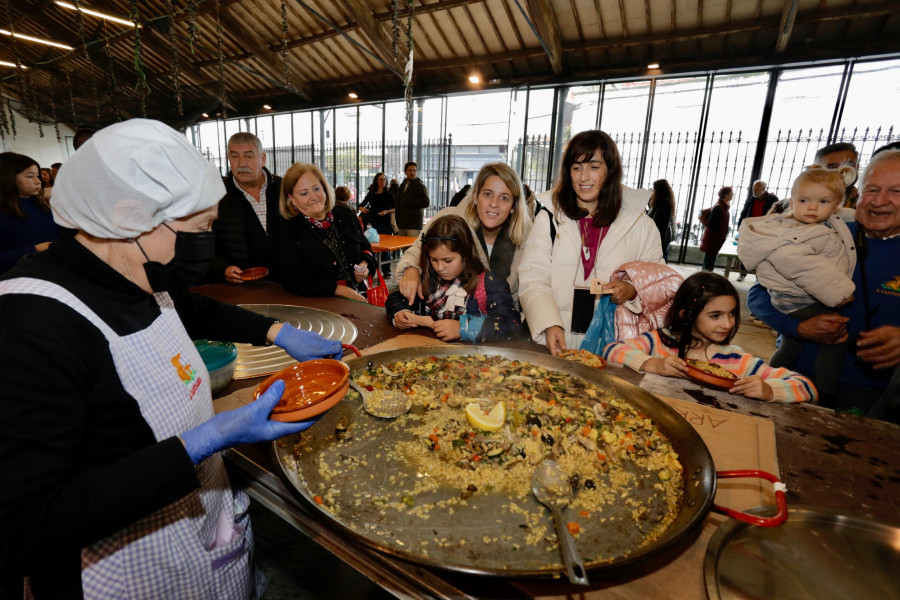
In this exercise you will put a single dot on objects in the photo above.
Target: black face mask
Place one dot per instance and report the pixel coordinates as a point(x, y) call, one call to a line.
point(194, 253)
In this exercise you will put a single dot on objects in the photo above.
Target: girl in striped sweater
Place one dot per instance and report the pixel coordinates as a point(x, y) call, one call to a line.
point(702, 320)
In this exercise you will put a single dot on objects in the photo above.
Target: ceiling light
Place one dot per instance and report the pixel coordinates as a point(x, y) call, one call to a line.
point(28, 38)
point(653, 66)
point(353, 95)
point(474, 79)
point(267, 107)
point(94, 13)
point(205, 115)
point(3, 63)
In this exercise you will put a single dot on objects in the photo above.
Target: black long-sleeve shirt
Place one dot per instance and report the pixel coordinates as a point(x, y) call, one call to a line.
point(79, 462)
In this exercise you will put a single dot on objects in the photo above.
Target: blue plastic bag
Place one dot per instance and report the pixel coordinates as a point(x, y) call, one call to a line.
point(372, 235)
point(602, 329)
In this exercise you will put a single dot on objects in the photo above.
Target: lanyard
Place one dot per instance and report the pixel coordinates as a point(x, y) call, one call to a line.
point(589, 236)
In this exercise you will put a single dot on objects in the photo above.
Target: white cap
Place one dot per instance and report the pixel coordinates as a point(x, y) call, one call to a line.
point(130, 177)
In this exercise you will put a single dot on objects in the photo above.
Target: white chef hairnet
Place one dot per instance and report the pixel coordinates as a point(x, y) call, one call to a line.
point(130, 177)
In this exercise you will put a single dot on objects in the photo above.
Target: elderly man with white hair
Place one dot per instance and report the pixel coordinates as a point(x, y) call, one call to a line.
point(112, 482)
point(870, 377)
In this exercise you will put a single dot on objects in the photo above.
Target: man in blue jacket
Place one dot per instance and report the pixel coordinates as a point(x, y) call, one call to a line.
point(870, 378)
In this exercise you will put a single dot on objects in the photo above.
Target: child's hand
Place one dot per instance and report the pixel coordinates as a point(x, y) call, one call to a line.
point(446, 329)
point(405, 320)
point(753, 387)
point(670, 366)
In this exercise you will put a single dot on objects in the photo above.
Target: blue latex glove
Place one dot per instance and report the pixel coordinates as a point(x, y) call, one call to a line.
point(306, 345)
point(244, 425)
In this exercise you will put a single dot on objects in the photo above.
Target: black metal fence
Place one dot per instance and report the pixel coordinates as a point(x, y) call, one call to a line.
point(726, 160)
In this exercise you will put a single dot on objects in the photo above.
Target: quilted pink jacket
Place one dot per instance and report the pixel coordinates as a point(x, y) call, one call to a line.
point(656, 285)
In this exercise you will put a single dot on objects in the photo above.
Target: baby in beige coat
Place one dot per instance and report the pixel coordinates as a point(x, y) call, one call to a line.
point(805, 258)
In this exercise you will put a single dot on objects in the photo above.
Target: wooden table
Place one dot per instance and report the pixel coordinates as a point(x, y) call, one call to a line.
point(826, 459)
point(391, 243)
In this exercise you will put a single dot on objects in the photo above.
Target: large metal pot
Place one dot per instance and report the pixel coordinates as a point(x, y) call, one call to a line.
point(399, 535)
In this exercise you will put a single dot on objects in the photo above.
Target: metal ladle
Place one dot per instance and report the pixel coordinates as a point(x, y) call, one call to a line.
point(390, 404)
point(551, 487)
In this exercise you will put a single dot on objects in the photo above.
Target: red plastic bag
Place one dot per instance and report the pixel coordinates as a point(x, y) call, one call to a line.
point(376, 295)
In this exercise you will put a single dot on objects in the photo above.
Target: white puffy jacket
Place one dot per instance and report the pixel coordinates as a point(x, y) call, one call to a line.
point(549, 272)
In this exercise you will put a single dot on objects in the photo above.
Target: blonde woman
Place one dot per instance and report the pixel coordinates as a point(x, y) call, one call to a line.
point(496, 212)
point(320, 249)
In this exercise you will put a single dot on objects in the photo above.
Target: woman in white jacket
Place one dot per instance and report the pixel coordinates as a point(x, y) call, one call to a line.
point(593, 225)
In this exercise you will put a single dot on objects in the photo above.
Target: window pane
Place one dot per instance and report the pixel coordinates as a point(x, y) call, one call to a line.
point(870, 113)
point(431, 154)
point(397, 140)
point(346, 149)
point(516, 127)
point(479, 124)
point(266, 136)
point(303, 138)
point(212, 144)
point(323, 121)
point(281, 156)
point(730, 144)
point(369, 145)
point(804, 105)
point(585, 102)
point(537, 152)
point(672, 138)
point(623, 118)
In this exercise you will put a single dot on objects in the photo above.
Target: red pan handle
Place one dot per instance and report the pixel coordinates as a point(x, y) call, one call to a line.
point(780, 500)
point(352, 348)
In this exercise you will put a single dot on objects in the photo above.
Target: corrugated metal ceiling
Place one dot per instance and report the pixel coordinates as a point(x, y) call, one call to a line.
point(333, 48)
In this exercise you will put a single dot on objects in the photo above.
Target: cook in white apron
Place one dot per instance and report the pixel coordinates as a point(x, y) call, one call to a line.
point(199, 546)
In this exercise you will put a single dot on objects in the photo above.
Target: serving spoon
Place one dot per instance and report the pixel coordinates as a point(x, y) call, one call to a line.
point(389, 404)
point(551, 487)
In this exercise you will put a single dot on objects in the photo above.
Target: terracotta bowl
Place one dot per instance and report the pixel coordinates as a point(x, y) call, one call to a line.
point(710, 379)
point(254, 273)
point(310, 388)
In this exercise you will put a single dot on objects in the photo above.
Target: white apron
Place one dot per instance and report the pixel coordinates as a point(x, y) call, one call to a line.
point(200, 546)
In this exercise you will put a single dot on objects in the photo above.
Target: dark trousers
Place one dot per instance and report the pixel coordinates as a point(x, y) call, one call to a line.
point(709, 260)
point(829, 357)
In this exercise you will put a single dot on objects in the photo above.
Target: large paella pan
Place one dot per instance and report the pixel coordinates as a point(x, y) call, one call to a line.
point(349, 468)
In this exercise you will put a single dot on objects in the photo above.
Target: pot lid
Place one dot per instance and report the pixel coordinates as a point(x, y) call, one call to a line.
point(817, 553)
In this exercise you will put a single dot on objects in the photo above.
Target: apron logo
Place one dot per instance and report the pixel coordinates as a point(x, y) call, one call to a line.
point(893, 285)
point(184, 371)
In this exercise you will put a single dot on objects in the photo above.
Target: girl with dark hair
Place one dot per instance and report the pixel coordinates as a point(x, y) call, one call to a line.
point(376, 209)
point(26, 224)
point(592, 226)
point(701, 323)
point(716, 228)
point(461, 299)
point(662, 211)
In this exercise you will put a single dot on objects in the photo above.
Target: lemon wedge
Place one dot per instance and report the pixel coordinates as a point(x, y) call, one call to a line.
point(491, 421)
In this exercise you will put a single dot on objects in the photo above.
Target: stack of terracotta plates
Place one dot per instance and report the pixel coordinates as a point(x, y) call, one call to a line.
point(310, 388)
